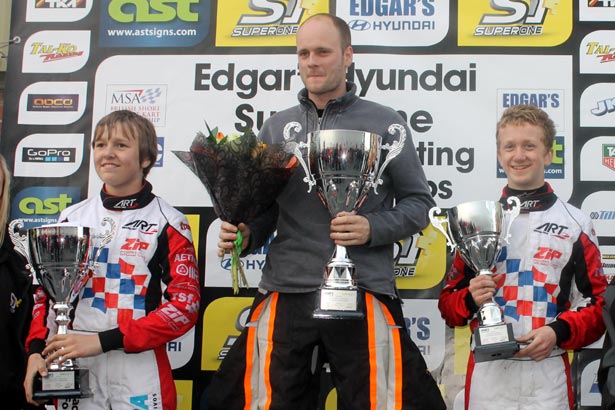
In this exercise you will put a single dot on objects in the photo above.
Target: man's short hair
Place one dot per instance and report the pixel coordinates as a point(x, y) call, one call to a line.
point(135, 126)
point(340, 25)
point(528, 114)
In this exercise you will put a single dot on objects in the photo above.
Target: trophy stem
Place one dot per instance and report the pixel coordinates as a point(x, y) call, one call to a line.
point(340, 254)
point(62, 320)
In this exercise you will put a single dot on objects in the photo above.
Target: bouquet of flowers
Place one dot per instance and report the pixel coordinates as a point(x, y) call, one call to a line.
point(243, 176)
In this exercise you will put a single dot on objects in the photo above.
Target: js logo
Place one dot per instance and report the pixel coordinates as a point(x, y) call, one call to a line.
point(273, 12)
point(152, 11)
point(518, 12)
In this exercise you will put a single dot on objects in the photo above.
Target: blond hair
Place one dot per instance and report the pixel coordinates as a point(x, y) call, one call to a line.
point(4, 198)
point(528, 114)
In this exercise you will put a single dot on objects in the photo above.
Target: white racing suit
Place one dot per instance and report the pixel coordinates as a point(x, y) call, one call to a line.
point(552, 277)
point(144, 293)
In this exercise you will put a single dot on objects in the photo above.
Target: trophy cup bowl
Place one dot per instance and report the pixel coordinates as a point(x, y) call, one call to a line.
point(474, 229)
point(344, 165)
point(61, 259)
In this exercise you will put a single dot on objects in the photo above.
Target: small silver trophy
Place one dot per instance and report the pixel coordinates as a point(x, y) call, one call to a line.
point(344, 165)
point(61, 258)
point(475, 231)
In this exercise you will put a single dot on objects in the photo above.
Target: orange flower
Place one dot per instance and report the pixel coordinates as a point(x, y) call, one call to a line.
point(219, 136)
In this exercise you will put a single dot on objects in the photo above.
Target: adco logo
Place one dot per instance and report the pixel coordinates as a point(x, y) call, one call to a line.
point(514, 22)
point(155, 23)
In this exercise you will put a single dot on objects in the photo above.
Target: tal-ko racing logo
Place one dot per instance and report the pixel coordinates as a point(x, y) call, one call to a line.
point(258, 23)
point(529, 23)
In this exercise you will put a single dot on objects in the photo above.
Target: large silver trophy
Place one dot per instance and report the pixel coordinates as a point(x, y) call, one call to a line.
point(344, 165)
point(62, 258)
point(475, 231)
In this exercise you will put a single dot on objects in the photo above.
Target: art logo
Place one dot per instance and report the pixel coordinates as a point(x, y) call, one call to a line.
point(56, 51)
point(514, 22)
point(169, 23)
point(608, 156)
point(263, 22)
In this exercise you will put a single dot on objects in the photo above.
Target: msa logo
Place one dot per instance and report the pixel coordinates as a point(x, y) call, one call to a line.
point(515, 18)
point(154, 11)
point(547, 254)
point(553, 229)
point(604, 107)
point(60, 4)
point(136, 96)
point(135, 245)
point(608, 156)
point(141, 226)
point(273, 19)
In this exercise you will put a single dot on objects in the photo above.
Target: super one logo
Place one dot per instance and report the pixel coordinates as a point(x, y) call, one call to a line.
point(152, 11)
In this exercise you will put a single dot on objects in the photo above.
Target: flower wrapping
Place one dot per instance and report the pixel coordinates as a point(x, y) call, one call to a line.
point(243, 177)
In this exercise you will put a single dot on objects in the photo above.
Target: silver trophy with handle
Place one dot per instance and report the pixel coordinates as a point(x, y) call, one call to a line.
point(475, 231)
point(62, 259)
point(345, 165)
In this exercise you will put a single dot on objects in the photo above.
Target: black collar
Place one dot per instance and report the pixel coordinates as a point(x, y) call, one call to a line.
point(535, 200)
point(134, 201)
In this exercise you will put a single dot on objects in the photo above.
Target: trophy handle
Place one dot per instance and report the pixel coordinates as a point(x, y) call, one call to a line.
point(437, 223)
point(514, 210)
point(20, 242)
point(105, 238)
point(296, 150)
point(394, 150)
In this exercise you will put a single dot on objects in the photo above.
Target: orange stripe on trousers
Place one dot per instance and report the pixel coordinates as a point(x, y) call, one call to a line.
point(271, 326)
point(251, 337)
point(371, 345)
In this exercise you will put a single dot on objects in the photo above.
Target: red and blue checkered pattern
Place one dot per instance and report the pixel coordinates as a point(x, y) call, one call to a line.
point(120, 289)
point(526, 294)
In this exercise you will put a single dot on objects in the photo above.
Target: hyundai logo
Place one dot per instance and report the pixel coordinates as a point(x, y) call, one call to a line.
point(359, 25)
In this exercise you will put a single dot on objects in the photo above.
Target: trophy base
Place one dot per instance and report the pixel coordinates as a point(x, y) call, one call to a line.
point(494, 343)
point(62, 384)
point(339, 304)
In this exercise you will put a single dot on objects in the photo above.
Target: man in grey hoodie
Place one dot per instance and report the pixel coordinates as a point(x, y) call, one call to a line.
point(374, 363)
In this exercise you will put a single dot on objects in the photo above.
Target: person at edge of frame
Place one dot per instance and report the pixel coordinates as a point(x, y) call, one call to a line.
point(548, 280)
point(138, 300)
point(16, 308)
point(373, 361)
